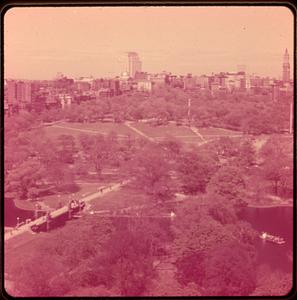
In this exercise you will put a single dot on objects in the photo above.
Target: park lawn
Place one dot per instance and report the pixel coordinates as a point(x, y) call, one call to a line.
point(54, 132)
point(211, 131)
point(101, 127)
point(77, 129)
point(163, 130)
point(185, 139)
point(125, 197)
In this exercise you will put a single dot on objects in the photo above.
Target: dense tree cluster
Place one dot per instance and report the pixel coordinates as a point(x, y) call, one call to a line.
point(252, 114)
point(117, 259)
point(211, 252)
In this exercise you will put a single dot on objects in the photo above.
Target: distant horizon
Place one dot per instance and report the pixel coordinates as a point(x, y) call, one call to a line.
point(40, 42)
point(111, 77)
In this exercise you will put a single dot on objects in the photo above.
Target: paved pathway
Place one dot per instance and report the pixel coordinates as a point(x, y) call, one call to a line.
point(62, 210)
point(128, 124)
point(196, 131)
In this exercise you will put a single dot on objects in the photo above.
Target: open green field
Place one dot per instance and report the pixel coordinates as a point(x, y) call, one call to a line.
point(164, 130)
point(212, 133)
point(76, 129)
point(104, 128)
point(182, 133)
point(125, 197)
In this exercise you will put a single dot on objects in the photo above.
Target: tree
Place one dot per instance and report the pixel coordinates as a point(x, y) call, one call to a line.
point(272, 282)
point(226, 147)
point(86, 142)
point(229, 271)
point(66, 148)
point(195, 171)
point(221, 210)
point(172, 146)
point(229, 183)
point(191, 268)
point(31, 275)
point(152, 172)
point(28, 176)
point(128, 258)
point(277, 164)
point(202, 239)
point(246, 153)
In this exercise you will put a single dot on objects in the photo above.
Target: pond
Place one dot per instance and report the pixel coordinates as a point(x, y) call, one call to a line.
point(276, 221)
point(11, 212)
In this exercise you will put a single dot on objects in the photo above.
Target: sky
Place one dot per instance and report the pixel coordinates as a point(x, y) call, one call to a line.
point(84, 41)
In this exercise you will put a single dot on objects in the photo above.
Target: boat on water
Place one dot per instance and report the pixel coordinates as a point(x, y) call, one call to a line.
point(272, 238)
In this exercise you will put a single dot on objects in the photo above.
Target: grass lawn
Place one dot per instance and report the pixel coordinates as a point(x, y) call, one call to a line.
point(101, 127)
point(53, 132)
point(163, 131)
point(210, 133)
point(76, 129)
point(125, 197)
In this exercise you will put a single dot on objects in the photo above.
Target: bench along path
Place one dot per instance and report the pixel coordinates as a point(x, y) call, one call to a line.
point(63, 210)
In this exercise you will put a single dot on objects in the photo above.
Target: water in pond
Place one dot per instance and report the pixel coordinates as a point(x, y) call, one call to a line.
point(11, 212)
point(276, 221)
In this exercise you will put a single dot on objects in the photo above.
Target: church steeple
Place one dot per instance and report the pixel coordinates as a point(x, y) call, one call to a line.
point(286, 67)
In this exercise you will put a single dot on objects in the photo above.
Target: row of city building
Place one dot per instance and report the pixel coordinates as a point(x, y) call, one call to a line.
point(62, 91)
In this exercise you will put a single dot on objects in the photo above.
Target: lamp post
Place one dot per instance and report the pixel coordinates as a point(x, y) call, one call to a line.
point(59, 201)
point(69, 208)
point(189, 112)
point(48, 217)
point(36, 211)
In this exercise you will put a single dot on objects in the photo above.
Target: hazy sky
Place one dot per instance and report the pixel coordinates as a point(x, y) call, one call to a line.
point(83, 41)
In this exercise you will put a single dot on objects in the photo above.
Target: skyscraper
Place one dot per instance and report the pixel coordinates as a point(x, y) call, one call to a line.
point(134, 64)
point(286, 67)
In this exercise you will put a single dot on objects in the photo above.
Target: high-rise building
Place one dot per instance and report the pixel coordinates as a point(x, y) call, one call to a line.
point(286, 67)
point(241, 68)
point(11, 92)
point(134, 64)
point(23, 92)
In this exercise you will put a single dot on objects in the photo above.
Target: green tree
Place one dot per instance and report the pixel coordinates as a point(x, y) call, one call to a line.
point(151, 170)
point(28, 176)
point(66, 148)
point(277, 163)
point(196, 169)
point(229, 271)
point(229, 183)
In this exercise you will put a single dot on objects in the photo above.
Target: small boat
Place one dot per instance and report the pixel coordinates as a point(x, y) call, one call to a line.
point(272, 238)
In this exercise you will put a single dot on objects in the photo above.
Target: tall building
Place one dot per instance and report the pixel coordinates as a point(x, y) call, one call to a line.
point(23, 92)
point(286, 67)
point(134, 64)
point(11, 92)
point(241, 68)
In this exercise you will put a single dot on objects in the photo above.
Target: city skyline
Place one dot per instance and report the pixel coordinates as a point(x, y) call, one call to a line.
point(39, 42)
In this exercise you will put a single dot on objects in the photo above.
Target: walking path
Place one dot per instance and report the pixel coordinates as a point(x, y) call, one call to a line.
point(62, 210)
point(196, 131)
point(128, 124)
